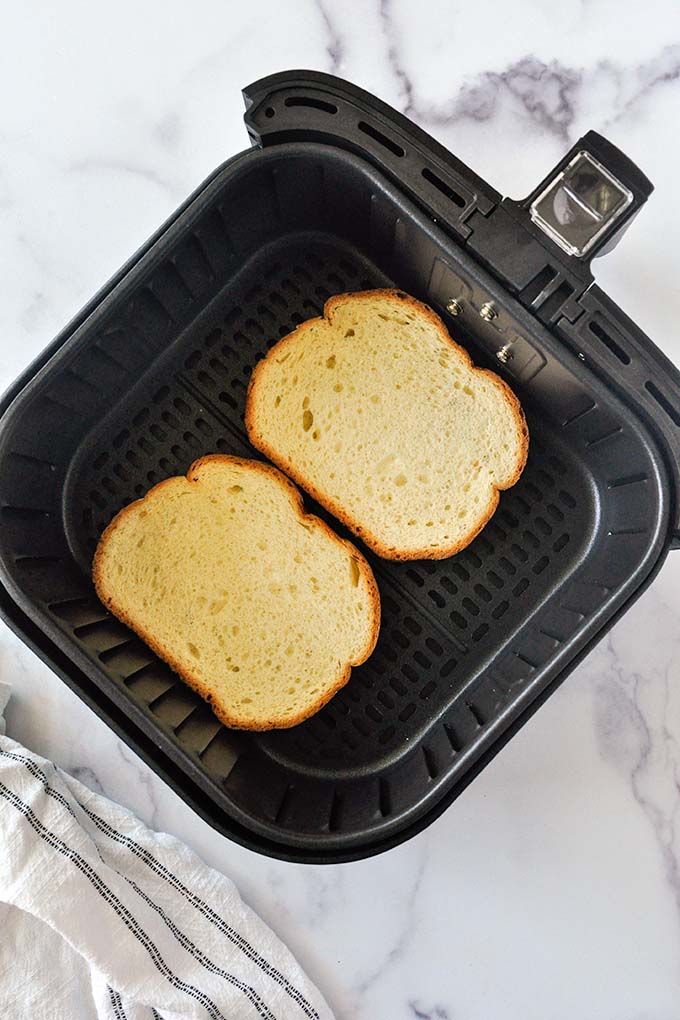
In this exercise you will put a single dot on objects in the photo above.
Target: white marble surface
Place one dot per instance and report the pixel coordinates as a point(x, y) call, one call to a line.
point(551, 889)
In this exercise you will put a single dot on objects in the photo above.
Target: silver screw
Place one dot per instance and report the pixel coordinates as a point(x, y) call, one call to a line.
point(488, 312)
point(454, 306)
point(504, 354)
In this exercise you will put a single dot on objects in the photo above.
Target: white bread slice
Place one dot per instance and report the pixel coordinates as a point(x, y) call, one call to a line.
point(258, 606)
point(382, 417)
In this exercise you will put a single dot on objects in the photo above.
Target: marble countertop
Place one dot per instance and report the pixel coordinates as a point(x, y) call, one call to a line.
point(551, 888)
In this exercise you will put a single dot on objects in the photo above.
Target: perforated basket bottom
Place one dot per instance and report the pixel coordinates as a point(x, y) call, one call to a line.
point(443, 622)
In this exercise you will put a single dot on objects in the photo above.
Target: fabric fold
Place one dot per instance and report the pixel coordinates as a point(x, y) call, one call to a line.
point(151, 930)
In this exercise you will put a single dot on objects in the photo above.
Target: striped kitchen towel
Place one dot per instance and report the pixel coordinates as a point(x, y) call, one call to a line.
point(102, 918)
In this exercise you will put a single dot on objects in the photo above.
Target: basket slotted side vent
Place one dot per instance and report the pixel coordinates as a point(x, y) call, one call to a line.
point(441, 621)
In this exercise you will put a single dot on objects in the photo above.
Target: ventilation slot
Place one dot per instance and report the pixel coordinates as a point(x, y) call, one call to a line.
point(335, 817)
point(554, 302)
point(663, 402)
point(430, 763)
point(385, 799)
point(617, 483)
point(310, 101)
point(280, 816)
point(445, 188)
point(379, 137)
point(78, 611)
point(601, 334)
point(454, 740)
point(536, 287)
point(111, 653)
point(149, 682)
point(209, 743)
point(609, 435)
point(577, 415)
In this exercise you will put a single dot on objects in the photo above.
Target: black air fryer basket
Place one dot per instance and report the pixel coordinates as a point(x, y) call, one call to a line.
point(340, 193)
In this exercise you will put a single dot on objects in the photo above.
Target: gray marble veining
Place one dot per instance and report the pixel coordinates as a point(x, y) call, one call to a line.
point(551, 889)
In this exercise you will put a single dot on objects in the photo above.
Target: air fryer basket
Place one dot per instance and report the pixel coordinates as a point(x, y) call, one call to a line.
point(154, 375)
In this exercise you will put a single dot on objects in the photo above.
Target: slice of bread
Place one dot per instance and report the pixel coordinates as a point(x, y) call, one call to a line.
point(260, 607)
point(376, 412)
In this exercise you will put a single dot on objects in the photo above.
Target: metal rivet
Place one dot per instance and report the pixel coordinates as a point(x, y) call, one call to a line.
point(454, 306)
point(581, 355)
point(504, 354)
point(487, 311)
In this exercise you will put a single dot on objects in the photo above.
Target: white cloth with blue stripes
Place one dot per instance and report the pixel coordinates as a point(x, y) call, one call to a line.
point(102, 918)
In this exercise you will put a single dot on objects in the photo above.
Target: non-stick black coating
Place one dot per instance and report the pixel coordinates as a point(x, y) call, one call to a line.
point(156, 377)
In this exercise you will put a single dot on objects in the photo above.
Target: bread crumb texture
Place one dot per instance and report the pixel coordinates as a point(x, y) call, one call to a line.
point(384, 419)
point(260, 607)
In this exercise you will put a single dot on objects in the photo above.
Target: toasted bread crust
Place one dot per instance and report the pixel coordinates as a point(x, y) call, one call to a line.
point(196, 683)
point(372, 541)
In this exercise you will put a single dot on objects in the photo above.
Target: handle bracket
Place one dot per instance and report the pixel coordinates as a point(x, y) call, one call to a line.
point(311, 106)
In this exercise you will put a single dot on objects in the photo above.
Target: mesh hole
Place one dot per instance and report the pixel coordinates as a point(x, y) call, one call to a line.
point(213, 338)
point(422, 659)
point(543, 525)
point(410, 673)
point(500, 610)
point(555, 512)
point(434, 646)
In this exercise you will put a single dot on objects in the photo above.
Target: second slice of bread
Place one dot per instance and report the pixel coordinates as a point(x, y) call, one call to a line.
point(258, 606)
point(384, 419)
